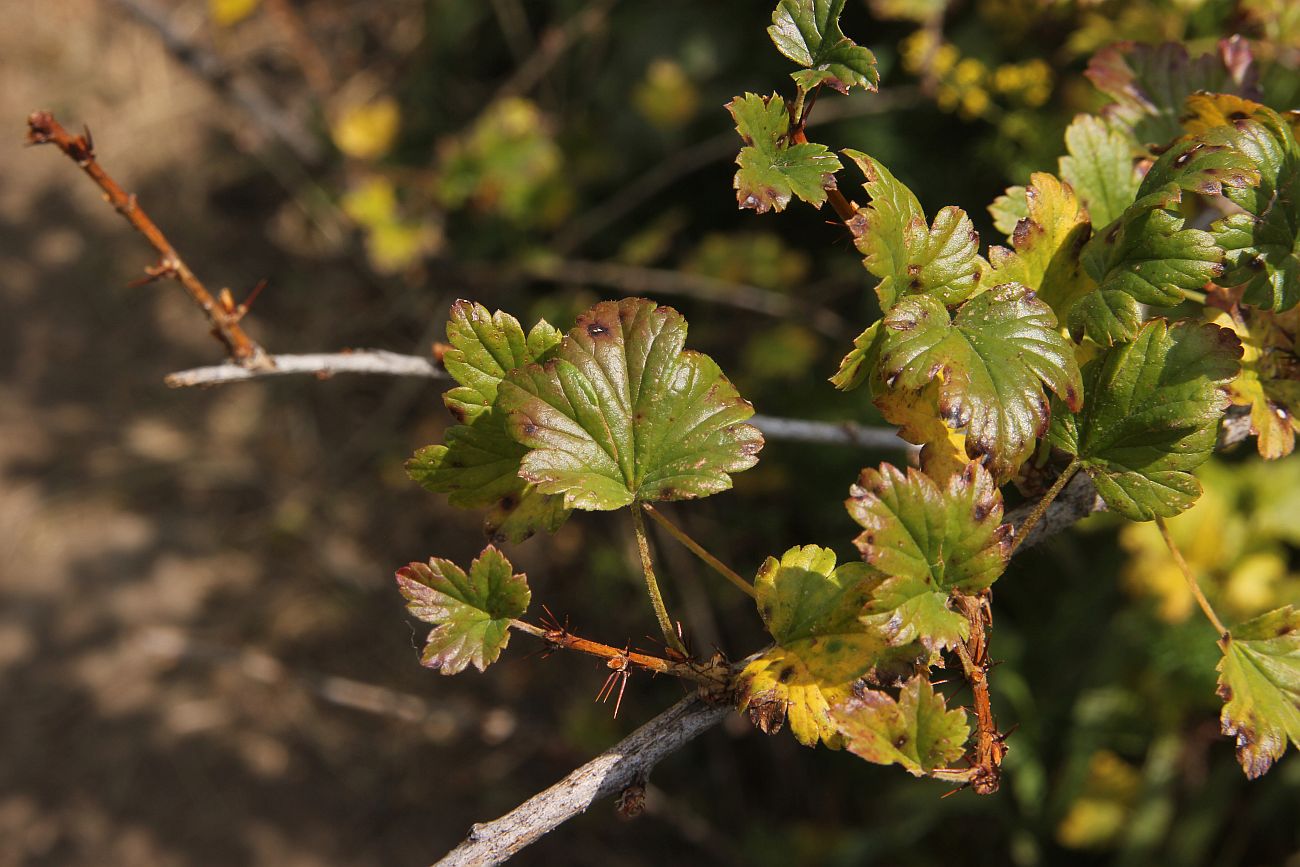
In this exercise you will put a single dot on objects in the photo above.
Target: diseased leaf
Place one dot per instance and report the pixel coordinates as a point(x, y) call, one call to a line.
point(916, 413)
point(941, 261)
point(992, 360)
point(928, 543)
point(811, 608)
point(1149, 255)
point(1269, 382)
point(1046, 246)
point(771, 168)
point(917, 731)
point(1100, 168)
point(622, 414)
point(808, 32)
point(478, 466)
point(1150, 416)
point(1259, 681)
point(470, 614)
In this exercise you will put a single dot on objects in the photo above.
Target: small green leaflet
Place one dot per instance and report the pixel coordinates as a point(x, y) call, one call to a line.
point(1151, 416)
point(1100, 168)
point(1008, 209)
point(928, 543)
point(941, 261)
point(811, 608)
point(917, 731)
point(1259, 679)
point(470, 614)
point(859, 365)
point(622, 414)
point(478, 466)
point(772, 169)
point(992, 360)
point(808, 32)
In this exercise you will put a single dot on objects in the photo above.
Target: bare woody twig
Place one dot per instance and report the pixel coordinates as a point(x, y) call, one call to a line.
point(320, 365)
point(224, 318)
point(626, 763)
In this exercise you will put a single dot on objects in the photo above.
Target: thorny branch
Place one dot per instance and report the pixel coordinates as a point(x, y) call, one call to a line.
point(223, 316)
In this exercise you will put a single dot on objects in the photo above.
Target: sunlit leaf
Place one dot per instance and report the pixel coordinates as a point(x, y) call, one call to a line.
point(929, 542)
point(470, 614)
point(1100, 168)
point(916, 731)
point(621, 413)
point(1008, 209)
point(858, 366)
point(916, 413)
point(1259, 679)
point(1150, 416)
point(941, 261)
point(1269, 382)
point(772, 169)
point(993, 361)
point(808, 32)
point(811, 609)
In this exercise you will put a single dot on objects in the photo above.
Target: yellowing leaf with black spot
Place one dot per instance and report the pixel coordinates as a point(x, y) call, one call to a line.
point(772, 169)
point(808, 32)
point(916, 731)
point(916, 413)
point(1150, 416)
point(1046, 245)
point(1259, 679)
point(941, 260)
point(1269, 382)
point(811, 609)
point(992, 360)
point(928, 542)
point(622, 413)
point(470, 613)
point(478, 466)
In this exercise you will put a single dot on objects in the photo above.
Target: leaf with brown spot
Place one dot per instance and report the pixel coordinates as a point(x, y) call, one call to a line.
point(916, 731)
point(772, 168)
point(1259, 680)
point(1269, 382)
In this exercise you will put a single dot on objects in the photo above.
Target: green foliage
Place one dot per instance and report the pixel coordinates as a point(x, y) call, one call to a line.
point(772, 169)
point(621, 413)
point(1150, 416)
point(926, 543)
point(808, 32)
point(1099, 167)
point(471, 614)
point(916, 731)
point(1259, 679)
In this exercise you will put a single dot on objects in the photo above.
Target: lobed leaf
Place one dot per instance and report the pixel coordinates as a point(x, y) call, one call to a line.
point(916, 731)
point(1150, 416)
point(1269, 381)
point(1099, 167)
point(1259, 681)
point(992, 361)
point(470, 613)
point(928, 543)
point(811, 609)
point(772, 169)
point(808, 32)
point(941, 261)
point(622, 414)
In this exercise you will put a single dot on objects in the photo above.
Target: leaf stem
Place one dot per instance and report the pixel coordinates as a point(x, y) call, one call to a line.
point(702, 673)
point(698, 550)
point(1191, 579)
point(1040, 509)
point(652, 586)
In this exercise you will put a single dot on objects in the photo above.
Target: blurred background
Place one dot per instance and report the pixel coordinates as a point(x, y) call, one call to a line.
point(203, 656)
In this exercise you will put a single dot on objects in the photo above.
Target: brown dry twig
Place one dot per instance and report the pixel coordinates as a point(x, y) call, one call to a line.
point(223, 315)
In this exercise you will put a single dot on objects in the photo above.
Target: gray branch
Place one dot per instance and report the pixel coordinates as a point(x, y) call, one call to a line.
point(320, 365)
point(626, 763)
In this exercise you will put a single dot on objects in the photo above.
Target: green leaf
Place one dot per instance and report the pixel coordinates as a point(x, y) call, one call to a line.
point(1259, 679)
point(808, 32)
point(858, 366)
point(470, 614)
point(771, 168)
point(622, 414)
point(1008, 209)
point(992, 361)
point(479, 464)
point(1046, 246)
point(917, 731)
point(811, 608)
point(941, 261)
point(1100, 168)
point(1149, 255)
point(1151, 415)
point(929, 542)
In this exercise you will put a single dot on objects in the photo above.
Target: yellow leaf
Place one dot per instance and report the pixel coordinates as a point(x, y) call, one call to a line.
point(225, 13)
point(943, 452)
point(779, 688)
point(367, 131)
point(1205, 111)
point(1269, 382)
